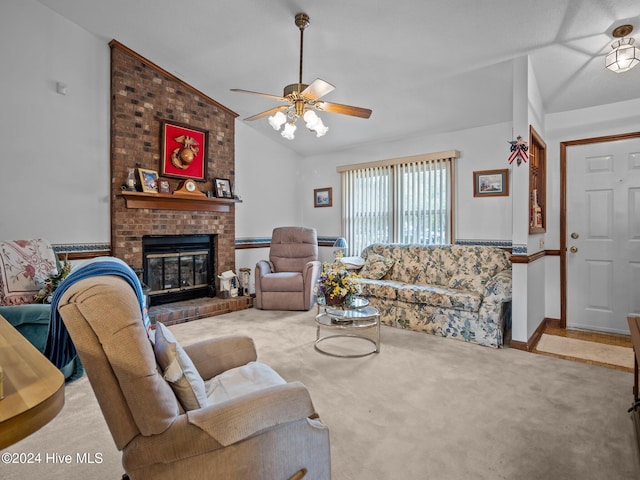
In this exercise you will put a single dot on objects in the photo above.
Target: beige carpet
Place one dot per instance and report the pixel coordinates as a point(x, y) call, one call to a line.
point(585, 350)
point(424, 408)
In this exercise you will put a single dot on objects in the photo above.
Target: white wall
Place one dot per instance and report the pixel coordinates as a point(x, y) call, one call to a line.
point(55, 168)
point(267, 175)
point(481, 148)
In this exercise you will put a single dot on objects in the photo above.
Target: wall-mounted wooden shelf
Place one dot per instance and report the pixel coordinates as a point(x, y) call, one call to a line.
point(165, 201)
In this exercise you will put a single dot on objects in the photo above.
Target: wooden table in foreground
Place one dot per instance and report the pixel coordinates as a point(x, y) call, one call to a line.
point(33, 387)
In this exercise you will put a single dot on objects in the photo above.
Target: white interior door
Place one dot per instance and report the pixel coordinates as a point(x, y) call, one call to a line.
point(603, 235)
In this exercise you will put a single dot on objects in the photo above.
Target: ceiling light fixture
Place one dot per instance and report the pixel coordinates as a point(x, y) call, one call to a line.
point(299, 108)
point(624, 55)
point(302, 100)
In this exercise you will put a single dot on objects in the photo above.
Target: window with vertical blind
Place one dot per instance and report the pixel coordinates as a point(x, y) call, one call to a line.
point(404, 200)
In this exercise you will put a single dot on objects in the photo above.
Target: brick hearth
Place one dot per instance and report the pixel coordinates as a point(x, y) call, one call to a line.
point(185, 311)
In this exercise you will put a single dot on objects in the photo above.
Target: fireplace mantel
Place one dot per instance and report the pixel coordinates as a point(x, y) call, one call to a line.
point(164, 201)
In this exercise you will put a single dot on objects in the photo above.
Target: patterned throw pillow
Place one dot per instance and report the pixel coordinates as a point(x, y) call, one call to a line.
point(376, 266)
point(179, 370)
point(22, 263)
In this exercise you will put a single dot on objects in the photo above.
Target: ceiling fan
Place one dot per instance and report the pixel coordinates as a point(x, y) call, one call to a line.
point(301, 100)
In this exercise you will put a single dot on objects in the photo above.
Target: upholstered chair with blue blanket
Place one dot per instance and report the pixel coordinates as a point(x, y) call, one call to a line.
point(23, 265)
point(206, 410)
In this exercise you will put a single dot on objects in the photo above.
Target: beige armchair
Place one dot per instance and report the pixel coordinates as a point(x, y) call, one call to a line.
point(260, 428)
point(286, 281)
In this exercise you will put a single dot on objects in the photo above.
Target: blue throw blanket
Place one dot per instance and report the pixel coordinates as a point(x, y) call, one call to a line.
point(60, 349)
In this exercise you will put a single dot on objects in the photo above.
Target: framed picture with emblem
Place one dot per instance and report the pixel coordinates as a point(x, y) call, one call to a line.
point(184, 151)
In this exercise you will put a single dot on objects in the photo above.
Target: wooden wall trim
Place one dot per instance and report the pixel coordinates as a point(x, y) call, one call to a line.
point(528, 258)
point(530, 344)
point(553, 322)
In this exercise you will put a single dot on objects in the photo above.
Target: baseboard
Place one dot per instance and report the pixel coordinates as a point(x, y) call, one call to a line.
point(553, 322)
point(531, 343)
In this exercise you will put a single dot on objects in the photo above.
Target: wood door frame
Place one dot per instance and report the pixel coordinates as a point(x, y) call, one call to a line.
point(563, 209)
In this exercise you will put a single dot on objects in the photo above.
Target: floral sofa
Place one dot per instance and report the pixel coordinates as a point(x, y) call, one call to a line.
point(456, 291)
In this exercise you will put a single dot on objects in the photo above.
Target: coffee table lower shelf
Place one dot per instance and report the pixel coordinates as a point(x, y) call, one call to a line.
point(349, 326)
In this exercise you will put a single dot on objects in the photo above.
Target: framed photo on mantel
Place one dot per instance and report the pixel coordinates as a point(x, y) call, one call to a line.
point(184, 151)
point(223, 188)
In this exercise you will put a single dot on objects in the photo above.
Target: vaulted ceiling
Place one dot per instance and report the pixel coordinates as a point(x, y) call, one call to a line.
point(422, 66)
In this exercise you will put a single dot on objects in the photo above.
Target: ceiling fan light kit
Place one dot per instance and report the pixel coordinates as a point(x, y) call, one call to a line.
point(302, 99)
point(624, 55)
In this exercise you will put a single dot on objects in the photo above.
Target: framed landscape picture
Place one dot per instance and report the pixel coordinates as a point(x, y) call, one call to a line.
point(322, 197)
point(491, 183)
point(184, 151)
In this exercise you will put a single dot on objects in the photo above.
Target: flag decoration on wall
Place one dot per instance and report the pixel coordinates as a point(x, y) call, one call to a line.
point(519, 150)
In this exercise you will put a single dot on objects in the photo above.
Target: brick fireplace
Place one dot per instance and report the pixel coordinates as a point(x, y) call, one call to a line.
point(144, 95)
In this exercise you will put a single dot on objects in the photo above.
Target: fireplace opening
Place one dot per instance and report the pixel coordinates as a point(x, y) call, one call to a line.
point(178, 267)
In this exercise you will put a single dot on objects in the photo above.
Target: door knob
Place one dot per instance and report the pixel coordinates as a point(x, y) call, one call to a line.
point(573, 249)
point(574, 235)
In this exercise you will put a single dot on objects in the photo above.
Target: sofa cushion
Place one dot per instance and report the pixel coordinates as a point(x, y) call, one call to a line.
point(475, 266)
point(379, 288)
point(437, 296)
point(179, 370)
point(376, 266)
point(22, 264)
point(429, 260)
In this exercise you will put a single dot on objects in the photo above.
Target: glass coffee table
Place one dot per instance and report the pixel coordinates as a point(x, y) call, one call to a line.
point(347, 323)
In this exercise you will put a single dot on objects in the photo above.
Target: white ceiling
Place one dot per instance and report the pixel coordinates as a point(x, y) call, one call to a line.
point(422, 66)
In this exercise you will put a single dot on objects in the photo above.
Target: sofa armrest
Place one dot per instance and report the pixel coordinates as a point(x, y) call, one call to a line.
point(498, 289)
point(240, 418)
point(216, 355)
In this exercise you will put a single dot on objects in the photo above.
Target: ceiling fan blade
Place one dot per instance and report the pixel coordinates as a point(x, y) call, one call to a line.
point(317, 89)
point(271, 111)
point(277, 97)
point(343, 109)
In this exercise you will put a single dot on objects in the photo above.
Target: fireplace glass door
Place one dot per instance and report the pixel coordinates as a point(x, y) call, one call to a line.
point(177, 272)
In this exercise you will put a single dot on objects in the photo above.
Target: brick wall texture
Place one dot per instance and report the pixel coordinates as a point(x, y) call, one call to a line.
point(143, 95)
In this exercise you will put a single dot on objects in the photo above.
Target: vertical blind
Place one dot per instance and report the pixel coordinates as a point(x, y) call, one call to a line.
point(398, 201)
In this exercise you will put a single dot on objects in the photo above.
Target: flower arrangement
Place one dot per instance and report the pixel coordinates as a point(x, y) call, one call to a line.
point(336, 282)
point(48, 285)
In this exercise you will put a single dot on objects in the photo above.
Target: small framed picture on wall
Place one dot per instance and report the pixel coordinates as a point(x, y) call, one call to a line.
point(491, 183)
point(322, 197)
